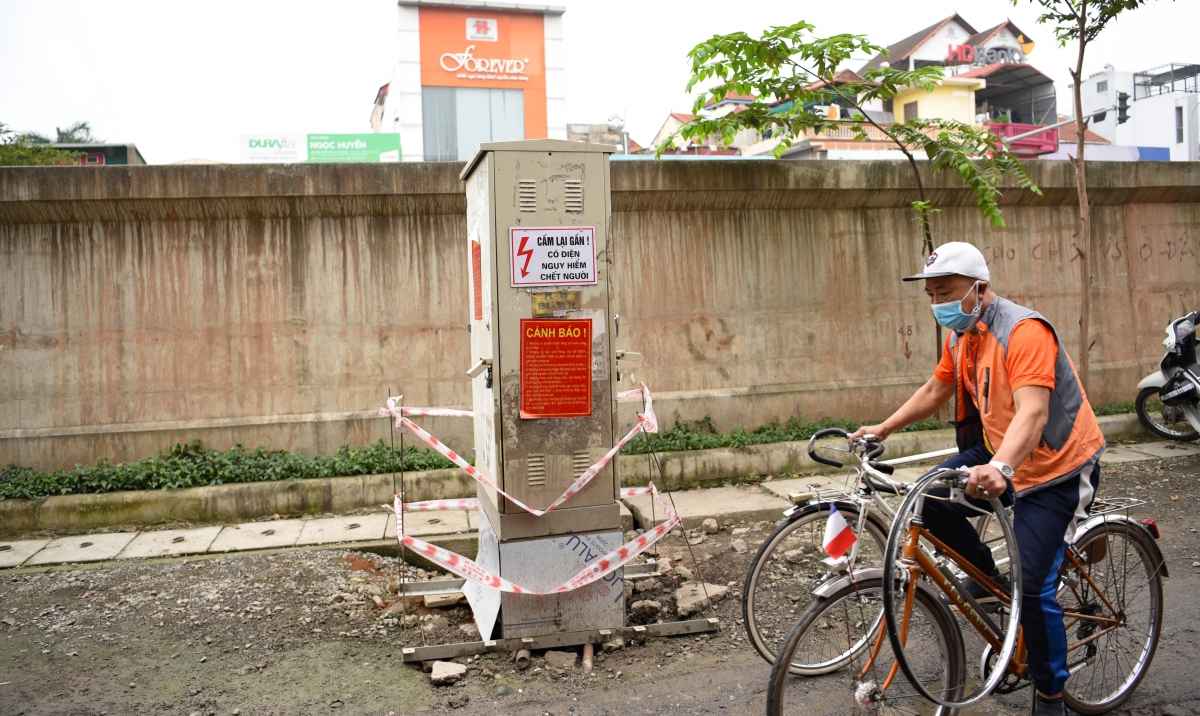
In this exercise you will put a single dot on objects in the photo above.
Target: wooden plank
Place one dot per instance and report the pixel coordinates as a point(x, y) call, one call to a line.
point(551, 641)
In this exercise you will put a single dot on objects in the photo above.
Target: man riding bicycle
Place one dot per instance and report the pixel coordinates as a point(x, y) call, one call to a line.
point(1025, 431)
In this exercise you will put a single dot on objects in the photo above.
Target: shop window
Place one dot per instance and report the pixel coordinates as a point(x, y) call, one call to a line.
point(910, 111)
point(458, 119)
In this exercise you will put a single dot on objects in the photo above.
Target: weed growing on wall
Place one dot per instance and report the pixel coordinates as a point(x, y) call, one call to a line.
point(193, 465)
point(701, 435)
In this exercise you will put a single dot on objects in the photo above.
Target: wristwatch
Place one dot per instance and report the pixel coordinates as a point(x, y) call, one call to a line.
point(1005, 470)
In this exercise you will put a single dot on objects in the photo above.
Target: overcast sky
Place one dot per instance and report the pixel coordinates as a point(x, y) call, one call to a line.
point(183, 80)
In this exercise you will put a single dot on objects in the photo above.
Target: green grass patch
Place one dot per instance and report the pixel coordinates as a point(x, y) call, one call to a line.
point(702, 435)
point(1125, 406)
point(193, 465)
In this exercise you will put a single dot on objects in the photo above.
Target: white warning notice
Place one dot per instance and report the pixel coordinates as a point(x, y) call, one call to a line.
point(552, 256)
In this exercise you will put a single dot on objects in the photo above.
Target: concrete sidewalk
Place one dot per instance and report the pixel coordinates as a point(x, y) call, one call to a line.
point(741, 503)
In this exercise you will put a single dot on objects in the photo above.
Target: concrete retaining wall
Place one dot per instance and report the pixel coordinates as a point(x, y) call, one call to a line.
point(234, 503)
point(275, 305)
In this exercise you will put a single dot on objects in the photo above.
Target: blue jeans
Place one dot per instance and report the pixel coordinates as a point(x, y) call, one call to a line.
point(1043, 519)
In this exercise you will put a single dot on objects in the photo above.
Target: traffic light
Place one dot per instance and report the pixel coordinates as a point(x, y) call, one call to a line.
point(1122, 107)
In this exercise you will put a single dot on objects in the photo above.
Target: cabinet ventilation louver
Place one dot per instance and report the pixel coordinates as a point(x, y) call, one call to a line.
point(535, 472)
point(580, 461)
point(527, 195)
point(574, 198)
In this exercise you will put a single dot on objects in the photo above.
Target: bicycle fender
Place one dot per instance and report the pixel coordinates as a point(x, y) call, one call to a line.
point(833, 585)
point(829, 587)
point(1101, 519)
point(797, 511)
point(1154, 380)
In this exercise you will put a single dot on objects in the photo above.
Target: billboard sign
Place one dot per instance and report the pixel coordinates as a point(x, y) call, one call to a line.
point(354, 148)
point(298, 148)
point(273, 148)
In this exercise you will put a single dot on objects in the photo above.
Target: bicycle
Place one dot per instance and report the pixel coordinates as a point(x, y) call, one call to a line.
point(843, 623)
point(1110, 589)
point(788, 566)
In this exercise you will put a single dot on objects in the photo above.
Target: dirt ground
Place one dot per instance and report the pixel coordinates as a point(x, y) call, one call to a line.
point(301, 633)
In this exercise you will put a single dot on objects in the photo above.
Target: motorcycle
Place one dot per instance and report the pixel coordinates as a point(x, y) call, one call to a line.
point(1168, 401)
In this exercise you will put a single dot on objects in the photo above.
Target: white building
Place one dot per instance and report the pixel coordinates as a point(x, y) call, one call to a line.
point(1164, 110)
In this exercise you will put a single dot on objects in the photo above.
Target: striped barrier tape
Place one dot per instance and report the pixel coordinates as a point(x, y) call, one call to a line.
point(470, 570)
point(471, 503)
point(647, 422)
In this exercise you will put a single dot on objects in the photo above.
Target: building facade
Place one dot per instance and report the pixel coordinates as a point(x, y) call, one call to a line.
point(1164, 104)
point(471, 71)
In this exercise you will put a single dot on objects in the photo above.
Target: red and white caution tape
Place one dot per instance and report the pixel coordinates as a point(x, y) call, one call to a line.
point(470, 570)
point(467, 503)
point(436, 412)
point(647, 422)
point(471, 503)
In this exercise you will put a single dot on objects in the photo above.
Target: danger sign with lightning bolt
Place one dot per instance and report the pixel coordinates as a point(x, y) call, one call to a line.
point(553, 256)
point(525, 253)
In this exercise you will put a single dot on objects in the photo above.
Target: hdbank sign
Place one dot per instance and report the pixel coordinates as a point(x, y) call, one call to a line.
point(295, 148)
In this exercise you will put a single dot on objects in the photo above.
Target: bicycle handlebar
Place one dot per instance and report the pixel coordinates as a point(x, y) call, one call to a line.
point(812, 446)
point(872, 449)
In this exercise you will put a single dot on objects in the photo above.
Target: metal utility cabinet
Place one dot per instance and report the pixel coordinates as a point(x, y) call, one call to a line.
point(543, 379)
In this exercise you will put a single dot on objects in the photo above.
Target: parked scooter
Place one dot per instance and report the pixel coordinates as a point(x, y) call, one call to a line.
point(1168, 402)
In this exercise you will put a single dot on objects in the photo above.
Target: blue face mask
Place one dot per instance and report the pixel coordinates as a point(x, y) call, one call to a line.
point(951, 315)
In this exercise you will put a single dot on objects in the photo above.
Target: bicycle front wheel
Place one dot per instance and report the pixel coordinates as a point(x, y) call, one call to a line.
point(843, 631)
point(787, 568)
point(1112, 600)
point(914, 559)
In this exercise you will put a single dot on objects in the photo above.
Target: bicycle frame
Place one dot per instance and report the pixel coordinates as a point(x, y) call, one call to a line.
point(920, 561)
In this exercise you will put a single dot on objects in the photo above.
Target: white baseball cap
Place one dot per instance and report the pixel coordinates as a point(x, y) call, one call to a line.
point(954, 259)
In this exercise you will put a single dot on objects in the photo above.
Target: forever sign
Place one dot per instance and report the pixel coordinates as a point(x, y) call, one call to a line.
point(553, 256)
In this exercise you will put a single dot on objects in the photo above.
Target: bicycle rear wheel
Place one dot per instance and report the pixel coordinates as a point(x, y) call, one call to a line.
point(787, 568)
point(1117, 576)
point(841, 631)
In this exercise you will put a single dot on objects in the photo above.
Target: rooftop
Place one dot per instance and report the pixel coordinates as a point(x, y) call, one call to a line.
point(487, 5)
point(902, 49)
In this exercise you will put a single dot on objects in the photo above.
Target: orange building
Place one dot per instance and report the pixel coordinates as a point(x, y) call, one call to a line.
point(473, 72)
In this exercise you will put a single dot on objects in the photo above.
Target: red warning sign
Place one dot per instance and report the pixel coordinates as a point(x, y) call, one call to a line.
point(556, 368)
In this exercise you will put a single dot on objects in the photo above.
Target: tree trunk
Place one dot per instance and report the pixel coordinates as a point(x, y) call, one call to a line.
point(1084, 240)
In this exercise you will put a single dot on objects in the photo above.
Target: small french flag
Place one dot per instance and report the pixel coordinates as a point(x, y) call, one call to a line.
point(838, 536)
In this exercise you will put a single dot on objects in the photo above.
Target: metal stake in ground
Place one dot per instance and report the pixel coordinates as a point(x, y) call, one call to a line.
point(649, 474)
point(667, 488)
point(400, 520)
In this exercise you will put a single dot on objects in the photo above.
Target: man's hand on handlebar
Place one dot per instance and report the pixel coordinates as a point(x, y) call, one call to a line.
point(989, 479)
point(879, 431)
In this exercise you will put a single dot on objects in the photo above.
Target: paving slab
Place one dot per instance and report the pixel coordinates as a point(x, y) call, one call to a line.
point(332, 530)
point(257, 535)
point(723, 503)
point(82, 548)
point(12, 554)
point(1118, 454)
point(168, 542)
point(1166, 449)
point(430, 524)
point(783, 488)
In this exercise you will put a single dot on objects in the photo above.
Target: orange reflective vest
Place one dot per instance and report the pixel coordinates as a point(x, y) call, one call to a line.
point(1071, 437)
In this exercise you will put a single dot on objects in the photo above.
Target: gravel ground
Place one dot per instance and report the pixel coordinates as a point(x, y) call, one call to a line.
point(304, 632)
